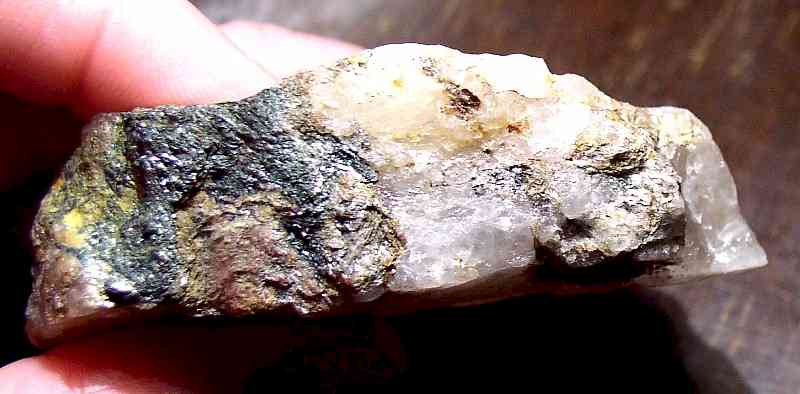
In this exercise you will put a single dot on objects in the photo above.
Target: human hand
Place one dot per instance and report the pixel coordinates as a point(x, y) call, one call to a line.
point(91, 56)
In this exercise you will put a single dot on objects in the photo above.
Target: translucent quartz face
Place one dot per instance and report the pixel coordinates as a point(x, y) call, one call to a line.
point(448, 130)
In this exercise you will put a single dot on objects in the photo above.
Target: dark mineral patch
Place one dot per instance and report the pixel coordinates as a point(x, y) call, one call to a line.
point(197, 206)
point(462, 101)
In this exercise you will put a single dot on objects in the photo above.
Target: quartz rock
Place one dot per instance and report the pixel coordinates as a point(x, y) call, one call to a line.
point(405, 177)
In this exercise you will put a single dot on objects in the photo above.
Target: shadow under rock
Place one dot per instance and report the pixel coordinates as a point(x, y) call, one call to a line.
point(19, 206)
point(625, 341)
point(35, 140)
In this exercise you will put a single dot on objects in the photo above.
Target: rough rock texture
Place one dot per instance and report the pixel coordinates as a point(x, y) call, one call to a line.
point(405, 177)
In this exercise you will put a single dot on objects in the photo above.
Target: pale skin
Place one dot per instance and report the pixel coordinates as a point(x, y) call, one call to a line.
point(93, 56)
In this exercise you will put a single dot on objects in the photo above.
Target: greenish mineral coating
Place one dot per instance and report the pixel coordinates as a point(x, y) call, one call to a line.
point(155, 199)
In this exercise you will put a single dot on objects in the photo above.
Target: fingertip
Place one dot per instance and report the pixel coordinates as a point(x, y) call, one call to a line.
point(30, 375)
point(283, 51)
point(177, 57)
point(102, 56)
point(152, 359)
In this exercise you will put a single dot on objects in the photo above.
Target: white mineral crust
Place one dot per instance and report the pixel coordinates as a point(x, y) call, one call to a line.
point(448, 131)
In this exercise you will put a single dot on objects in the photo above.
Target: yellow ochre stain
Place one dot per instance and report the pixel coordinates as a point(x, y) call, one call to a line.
point(71, 234)
point(73, 219)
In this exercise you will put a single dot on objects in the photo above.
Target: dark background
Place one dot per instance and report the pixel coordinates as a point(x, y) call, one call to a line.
point(736, 64)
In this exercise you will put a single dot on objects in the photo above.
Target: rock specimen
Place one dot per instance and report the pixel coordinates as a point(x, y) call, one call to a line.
point(404, 177)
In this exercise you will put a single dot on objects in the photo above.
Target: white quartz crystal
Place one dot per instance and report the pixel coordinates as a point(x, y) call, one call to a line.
point(447, 130)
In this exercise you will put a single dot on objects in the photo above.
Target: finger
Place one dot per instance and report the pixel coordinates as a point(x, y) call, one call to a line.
point(103, 55)
point(216, 358)
point(282, 51)
point(152, 360)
